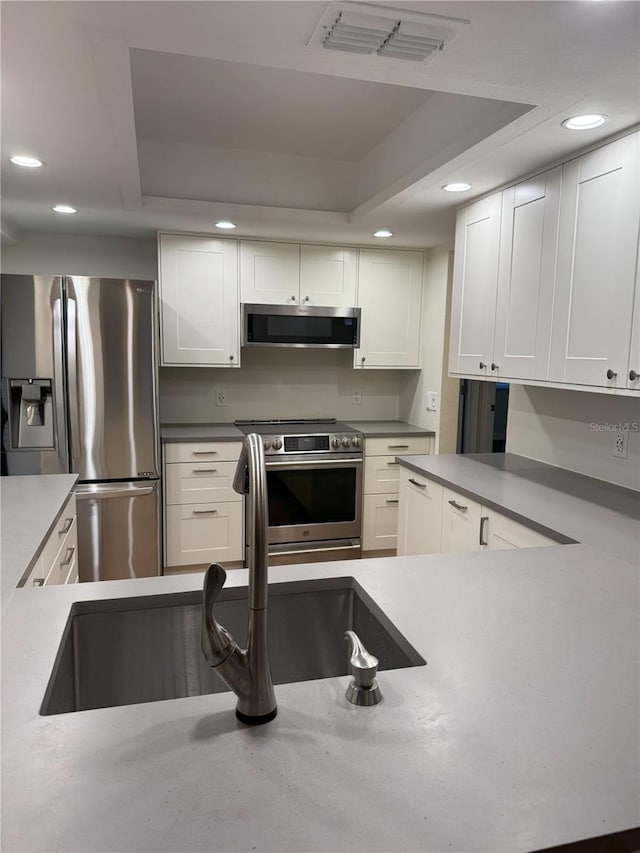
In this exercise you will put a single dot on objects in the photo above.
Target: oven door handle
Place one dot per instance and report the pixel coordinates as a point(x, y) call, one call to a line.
point(314, 463)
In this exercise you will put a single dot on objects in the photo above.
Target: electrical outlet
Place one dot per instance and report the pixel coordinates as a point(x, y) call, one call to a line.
point(356, 397)
point(432, 401)
point(221, 397)
point(621, 441)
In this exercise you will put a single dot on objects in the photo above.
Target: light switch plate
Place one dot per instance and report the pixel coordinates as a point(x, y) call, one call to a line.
point(356, 397)
point(432, 401)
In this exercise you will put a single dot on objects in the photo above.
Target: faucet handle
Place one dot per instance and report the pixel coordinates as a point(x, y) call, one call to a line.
point(363, 689)
point(217, 642)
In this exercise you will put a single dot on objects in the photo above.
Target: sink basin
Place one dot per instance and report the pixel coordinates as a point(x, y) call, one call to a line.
point(146, 649)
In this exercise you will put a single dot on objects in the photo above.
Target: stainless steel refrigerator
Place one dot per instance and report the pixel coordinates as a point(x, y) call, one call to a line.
point(79, 395)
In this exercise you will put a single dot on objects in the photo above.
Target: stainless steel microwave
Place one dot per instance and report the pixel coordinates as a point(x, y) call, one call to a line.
point(300, 326)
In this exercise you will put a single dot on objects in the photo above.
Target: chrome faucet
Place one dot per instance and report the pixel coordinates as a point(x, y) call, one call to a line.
point(246, 672)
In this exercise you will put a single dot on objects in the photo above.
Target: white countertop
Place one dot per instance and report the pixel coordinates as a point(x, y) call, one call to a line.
point(558, 503)
point(30, 507)
point(520, 733)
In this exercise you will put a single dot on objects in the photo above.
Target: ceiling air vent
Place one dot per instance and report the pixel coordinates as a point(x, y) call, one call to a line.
point(382, 31)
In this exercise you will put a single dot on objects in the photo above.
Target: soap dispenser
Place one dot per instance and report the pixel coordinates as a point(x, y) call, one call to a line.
point(363, 689)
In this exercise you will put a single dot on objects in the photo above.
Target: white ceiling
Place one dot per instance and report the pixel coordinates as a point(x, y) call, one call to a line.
point(175, 114)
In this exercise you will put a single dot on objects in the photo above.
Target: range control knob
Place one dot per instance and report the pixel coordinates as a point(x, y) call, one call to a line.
point(335, 441)
point(276, 443)
point(346, 441)
point(357, 441)
point(267, 444)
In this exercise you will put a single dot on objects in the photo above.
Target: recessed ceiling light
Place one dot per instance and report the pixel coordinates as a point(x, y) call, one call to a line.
point(224, 223)
point(456, 188)
point(585, 122)
point(383, 232)
point(64, 208)
point(26, 162)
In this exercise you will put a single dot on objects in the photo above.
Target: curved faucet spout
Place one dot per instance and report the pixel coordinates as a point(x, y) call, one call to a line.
point(247, 673)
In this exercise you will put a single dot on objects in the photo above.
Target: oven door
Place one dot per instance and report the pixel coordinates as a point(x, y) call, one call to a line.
point(313, 498)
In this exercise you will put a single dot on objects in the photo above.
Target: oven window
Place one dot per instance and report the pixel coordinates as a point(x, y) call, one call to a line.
point(311, 496)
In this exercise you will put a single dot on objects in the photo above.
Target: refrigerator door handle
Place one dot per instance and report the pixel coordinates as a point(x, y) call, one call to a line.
point(72, 360)
point(59, 385)
point(85, 493)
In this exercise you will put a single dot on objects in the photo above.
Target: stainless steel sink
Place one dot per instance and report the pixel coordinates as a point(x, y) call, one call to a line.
point(129, 650)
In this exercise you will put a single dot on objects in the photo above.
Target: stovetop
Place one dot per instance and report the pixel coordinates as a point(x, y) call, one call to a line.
point(293, 426)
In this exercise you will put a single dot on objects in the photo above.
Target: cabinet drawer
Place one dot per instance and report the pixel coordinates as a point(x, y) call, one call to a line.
point(204, 451)
point(397, 445)
point(65, 569)
point(380, 522)
point(381, 475)
point(204, 533)
point(61, 532)
point(460, 523)
point(200, 482)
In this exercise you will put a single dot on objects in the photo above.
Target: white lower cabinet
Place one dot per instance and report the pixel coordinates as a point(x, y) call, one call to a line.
point(58, 560)
point(203, 515)
point(381, 483)
point(419, 515)
point(500, 533)
point(433, 519)
point(460, 524)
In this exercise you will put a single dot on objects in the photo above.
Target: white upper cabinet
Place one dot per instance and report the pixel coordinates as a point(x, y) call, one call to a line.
point(475, 284)
point(328, 276)
point(269, 273)
point(199, 300)
point(528, 245)
point(390, 296)
point(596, 270)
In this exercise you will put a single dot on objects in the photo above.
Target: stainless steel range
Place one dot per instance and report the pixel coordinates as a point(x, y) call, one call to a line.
point(314, 488)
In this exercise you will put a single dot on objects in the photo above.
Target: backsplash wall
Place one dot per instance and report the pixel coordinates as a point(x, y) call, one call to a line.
point(277, 383)
point(569, 429)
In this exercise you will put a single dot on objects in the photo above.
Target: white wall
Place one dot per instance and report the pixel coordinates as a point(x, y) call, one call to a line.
point(569, 429)
point(279, 383)
point(434, 344)
point(75, 254)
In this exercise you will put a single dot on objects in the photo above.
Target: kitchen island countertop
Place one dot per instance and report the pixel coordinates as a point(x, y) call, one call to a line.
point(519, 733)
point(31, 505)
point(561, 504)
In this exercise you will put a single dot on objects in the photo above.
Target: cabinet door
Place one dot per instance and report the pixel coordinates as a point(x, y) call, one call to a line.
point(328, 276)
point(390, 296)
point(419, 515)
point(501, 533)
point(204, 533)
point(269, 272)
point(528, 245)
point(475, 284)
point(380, 522)
point(199, 300)
point(597, 253)
point(460, 523)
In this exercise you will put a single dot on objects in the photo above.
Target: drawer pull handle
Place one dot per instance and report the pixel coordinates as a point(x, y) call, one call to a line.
point(398, 446)
point(483, 521)
point(416, 483)
point(69, 557)
point(203, 452)
point(38, 581)
point(203, 511)
point(204, 470)
point(459, 506)
point(66, 527)
point(393, 463)
point(392, 500)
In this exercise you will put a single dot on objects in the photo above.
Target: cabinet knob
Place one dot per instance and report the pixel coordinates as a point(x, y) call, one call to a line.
point(611, 374)
point(293, 298)
point(482, 365)
point(230, 358)
point(362, 359)
point(306, 299)
point(494, 366)
point(633, 375)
